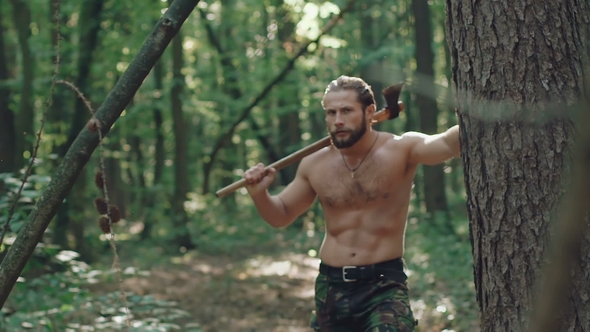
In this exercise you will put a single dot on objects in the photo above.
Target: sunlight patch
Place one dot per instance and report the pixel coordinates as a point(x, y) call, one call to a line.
point(293, 267)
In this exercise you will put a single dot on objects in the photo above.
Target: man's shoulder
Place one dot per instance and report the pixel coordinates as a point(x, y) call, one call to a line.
point(409, 136)
point(314, 159)
point(397, 141)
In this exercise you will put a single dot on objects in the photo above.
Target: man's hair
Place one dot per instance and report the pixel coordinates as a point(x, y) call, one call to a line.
point(363, 90)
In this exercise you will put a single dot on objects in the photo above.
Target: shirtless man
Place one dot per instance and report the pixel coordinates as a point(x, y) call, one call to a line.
point(363, 182)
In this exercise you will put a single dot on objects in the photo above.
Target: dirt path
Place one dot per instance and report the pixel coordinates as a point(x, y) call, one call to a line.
point(261, 294)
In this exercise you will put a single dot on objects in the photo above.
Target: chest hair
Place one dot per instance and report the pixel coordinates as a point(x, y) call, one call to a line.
point(369, 185)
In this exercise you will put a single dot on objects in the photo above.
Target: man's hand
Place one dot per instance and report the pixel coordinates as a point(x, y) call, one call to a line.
point(259, 179)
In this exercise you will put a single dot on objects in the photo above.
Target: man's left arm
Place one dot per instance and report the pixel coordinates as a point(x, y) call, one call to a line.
point(433, 149)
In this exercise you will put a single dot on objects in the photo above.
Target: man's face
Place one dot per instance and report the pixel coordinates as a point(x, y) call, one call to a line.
point(345, 118)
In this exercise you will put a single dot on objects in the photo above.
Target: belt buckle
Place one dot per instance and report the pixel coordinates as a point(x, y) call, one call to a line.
point(344, 269)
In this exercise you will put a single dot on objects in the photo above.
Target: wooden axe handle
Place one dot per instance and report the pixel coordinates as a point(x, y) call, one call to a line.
point(300, 154)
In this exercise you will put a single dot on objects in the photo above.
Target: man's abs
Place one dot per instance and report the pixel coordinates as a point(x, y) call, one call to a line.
point(362, 241)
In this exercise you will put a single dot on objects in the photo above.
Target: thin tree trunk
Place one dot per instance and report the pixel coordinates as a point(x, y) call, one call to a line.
point(25, 116)
point(370, 41)
point(159, 150)
point(57, 116)
point(181, 177)
point(434, 176)
point(7, 133)
point(86, 142)
point(516, 68)
point(159, 153)
point(412, 125)
point(289, 131)
point(74, 206)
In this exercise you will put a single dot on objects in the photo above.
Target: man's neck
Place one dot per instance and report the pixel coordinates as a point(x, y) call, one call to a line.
point(362, 146)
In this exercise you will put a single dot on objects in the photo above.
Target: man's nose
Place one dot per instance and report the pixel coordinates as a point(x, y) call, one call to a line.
point(339, 120)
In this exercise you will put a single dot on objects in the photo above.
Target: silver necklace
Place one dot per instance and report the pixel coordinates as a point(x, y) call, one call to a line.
point(362, 160)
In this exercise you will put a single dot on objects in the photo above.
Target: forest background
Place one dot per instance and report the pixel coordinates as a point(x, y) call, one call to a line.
point(241, 83)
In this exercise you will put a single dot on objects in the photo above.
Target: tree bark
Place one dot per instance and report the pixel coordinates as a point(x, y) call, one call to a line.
point(516, 67)
point(86, 142)
point(435, 198)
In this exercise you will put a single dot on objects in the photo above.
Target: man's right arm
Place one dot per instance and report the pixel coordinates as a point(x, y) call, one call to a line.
point(282, 209)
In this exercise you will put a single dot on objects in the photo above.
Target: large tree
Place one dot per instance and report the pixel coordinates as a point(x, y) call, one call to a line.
point(517, 66)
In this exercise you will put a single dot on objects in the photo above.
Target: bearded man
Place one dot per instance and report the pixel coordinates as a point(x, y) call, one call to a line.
point(363, 181)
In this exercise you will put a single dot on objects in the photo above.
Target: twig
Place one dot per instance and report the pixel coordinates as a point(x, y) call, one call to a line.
point(111, 236)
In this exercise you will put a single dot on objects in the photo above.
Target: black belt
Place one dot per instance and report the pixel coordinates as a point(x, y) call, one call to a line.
point(393, 269)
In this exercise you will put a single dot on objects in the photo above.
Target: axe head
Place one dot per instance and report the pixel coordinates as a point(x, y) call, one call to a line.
point(391, 95)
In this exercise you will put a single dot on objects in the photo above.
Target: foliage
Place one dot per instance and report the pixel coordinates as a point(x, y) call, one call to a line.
point(9, 187)
point(441, 276)
point(63, 301)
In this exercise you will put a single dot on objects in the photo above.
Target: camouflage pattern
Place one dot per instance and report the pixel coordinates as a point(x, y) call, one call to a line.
point(370, 306)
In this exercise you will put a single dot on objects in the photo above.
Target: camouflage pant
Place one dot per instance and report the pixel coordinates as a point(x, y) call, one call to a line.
point(369, 306)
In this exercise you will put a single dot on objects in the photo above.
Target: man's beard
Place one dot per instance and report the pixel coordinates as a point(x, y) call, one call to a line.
point(355, 136)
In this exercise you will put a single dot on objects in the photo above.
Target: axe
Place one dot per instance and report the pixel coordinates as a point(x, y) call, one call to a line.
point(391, 111)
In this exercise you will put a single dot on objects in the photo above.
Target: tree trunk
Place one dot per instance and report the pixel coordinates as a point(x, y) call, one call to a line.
point(149, 198)
point(516, 67)
point(181, 176)
point(7, 134)
point(160, 153)
point(79, 153)
point(434, 176)
point(289, 130)
point(57, 116)
point(25, 116)
point(74, 206)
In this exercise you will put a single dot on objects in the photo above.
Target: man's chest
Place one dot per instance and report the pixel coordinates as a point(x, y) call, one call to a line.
point(374, 183)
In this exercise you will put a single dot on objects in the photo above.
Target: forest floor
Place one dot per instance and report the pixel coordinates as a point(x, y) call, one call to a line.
point(267, 288)
point(238, 292)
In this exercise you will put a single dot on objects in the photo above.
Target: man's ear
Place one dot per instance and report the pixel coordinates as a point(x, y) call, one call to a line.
point(371, 109)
